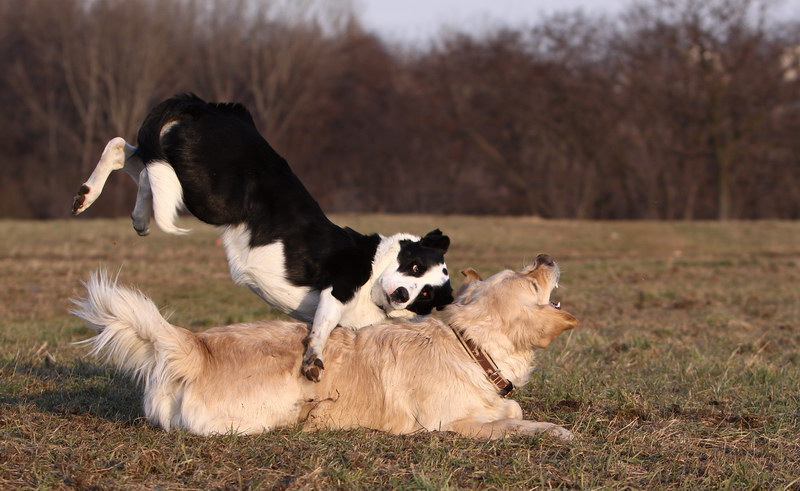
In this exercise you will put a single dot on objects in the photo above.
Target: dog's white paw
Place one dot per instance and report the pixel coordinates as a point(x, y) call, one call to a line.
point(561, 433)
point(83, 199)
point(312, 366)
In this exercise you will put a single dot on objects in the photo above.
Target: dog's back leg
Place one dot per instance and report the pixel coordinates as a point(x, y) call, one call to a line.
point(144, 205)
point(501, 428)
point(118, 154)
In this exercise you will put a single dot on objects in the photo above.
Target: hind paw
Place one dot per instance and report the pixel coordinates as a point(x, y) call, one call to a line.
point(79, 201)
point(142, 227)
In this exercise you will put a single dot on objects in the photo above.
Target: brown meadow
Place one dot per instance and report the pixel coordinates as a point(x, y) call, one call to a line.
point(684, 373)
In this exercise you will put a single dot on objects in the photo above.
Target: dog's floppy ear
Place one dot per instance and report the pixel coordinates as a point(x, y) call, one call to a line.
point(471, 275)
point(554, 323)
point(436, 240)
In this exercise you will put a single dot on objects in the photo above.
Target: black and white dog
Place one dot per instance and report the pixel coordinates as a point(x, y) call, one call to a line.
point(211, 159)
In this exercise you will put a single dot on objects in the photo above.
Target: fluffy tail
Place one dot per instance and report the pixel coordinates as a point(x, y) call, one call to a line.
point(133, 336)
point(167, 196)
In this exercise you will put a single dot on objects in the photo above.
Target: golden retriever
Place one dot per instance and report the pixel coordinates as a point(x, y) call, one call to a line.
point(400, 377)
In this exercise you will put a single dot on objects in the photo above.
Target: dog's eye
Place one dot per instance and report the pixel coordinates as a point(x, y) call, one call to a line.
point(415, 268)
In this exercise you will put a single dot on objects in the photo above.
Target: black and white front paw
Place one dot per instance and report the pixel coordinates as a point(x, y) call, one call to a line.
point(312, 364)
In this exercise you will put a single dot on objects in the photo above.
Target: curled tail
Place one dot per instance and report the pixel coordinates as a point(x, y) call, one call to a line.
point(133, 336)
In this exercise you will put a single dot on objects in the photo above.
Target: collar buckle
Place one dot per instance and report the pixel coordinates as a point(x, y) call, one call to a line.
point(504, 386)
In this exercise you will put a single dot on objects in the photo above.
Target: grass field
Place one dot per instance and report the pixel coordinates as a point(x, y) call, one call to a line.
point(685, 372)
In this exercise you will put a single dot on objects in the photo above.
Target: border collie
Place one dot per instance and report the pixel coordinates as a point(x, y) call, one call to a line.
point(210, 159)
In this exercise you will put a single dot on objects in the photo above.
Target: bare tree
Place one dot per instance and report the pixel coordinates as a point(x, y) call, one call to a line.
point(678, 109)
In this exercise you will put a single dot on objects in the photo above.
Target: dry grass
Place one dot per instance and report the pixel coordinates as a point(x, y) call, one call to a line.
point(684, 374)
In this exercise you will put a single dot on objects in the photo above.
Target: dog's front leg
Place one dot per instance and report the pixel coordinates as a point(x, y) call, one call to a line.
point(505, 427)
point(328, 315)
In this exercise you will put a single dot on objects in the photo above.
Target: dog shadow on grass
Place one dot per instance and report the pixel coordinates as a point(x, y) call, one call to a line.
point(77, 388)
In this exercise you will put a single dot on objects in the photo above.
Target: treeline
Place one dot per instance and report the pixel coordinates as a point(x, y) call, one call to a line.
point(680, 109)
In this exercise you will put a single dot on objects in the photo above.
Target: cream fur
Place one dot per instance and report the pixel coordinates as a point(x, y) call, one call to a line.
point(397, 377)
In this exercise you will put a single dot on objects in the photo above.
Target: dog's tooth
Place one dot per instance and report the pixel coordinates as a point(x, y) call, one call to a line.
point(558, 305)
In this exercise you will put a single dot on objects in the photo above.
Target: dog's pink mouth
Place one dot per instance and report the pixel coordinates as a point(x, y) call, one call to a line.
point(391, 304)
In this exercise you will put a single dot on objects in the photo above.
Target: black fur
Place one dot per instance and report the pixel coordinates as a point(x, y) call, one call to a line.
point(415, 259)
point(230, 175)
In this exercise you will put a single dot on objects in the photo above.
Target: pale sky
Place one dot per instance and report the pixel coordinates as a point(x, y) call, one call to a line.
point(417, 21)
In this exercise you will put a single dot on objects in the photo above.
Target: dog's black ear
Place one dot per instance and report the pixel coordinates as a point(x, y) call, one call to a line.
point(445, 299)
point(436, 240)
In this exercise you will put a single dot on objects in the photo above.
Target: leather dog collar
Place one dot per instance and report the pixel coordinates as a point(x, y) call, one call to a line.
point(504, 386)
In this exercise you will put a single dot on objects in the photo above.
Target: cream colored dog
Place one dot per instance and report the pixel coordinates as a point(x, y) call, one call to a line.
point(400, 377)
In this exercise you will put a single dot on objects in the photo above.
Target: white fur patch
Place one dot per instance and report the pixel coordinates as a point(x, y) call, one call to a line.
point(263, 270)
point(166, 128)
point(167, 196)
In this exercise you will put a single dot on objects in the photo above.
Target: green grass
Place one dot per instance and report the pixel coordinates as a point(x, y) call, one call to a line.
point(685, 372)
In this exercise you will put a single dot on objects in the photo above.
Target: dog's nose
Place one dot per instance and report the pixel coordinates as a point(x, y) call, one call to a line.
point(545, 259)
point(400, 295)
